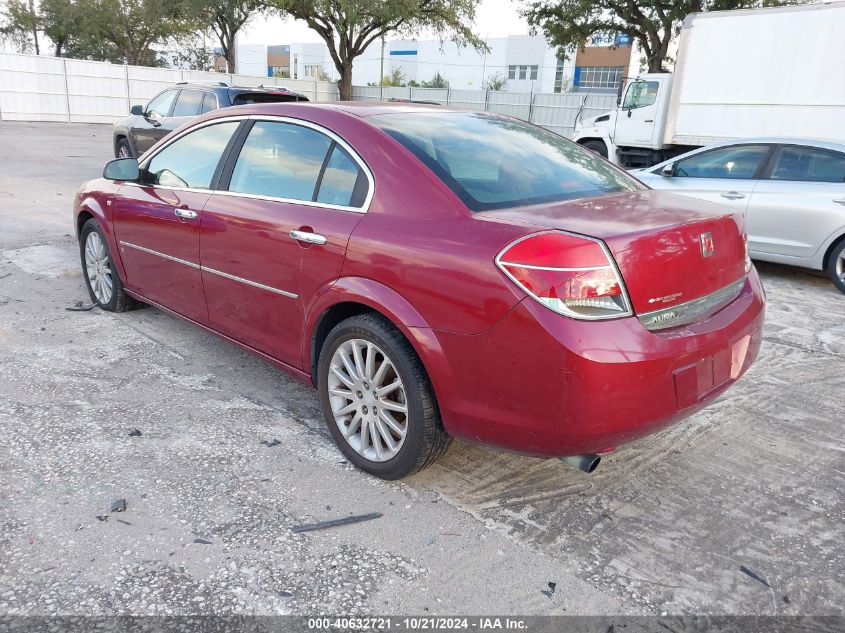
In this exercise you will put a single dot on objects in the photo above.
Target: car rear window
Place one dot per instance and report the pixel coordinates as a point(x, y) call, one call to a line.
point(494, 162)
point(245, 98)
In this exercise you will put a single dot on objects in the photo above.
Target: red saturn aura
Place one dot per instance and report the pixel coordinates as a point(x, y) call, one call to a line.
point(435, 273)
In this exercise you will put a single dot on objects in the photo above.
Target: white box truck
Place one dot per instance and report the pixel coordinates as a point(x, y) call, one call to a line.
point(752, 72)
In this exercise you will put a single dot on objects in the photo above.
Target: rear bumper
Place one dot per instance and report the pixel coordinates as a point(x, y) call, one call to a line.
point(542, 384)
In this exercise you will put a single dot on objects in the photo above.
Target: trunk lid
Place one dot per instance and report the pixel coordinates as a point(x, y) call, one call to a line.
point(670, 249)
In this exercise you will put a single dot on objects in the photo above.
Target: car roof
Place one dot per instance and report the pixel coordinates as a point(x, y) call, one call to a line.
point(357, 108)
point(222, 85)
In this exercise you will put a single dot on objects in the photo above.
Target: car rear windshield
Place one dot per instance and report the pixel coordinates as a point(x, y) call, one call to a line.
point(245, 98)
point(494, 162)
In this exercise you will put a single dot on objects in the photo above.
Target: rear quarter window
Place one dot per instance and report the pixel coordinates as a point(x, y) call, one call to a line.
point(246, 98)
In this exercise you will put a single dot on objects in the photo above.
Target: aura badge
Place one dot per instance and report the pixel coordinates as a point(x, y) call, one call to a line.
point(707, 247)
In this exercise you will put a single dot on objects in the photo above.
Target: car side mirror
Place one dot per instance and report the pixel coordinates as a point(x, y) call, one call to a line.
point(668, 170)
point(137, 110)
point(122, 169)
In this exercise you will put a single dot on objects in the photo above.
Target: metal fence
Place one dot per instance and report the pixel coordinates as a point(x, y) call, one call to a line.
point(555, 111)
point(39, 88)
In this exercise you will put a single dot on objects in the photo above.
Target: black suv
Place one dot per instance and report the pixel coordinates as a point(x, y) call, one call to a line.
point(171, 108)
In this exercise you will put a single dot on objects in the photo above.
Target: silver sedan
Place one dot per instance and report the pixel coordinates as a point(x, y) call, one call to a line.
point(791, 191)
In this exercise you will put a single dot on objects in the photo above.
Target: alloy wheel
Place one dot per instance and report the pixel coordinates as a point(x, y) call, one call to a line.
point(840, 266)
point(98, 268)
point(368, 400)
point(123, 151)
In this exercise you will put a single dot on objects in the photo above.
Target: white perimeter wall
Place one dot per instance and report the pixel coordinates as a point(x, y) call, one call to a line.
point(40, 88)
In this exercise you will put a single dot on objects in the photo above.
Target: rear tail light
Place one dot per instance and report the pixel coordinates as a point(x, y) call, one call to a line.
point(570, 274)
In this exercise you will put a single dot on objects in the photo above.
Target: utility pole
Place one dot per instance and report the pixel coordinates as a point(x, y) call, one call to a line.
point(484, 67)
point(381, 71)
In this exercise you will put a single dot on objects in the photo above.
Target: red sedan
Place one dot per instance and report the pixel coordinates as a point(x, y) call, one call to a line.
point(435, 273)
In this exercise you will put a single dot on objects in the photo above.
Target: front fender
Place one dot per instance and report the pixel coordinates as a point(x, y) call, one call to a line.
point(98, 205)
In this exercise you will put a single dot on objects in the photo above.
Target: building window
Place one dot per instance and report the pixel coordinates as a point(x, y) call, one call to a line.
point(523, 72)
point(598, 76)
point(313, 70)
point(559, 84)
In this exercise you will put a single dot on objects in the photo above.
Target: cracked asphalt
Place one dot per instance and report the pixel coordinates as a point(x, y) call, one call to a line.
point(666, 525)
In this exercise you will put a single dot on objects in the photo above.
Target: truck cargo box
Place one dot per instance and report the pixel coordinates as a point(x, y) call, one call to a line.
point(759, 72)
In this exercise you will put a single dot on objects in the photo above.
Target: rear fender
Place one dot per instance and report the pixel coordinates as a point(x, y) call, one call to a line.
point(398, 311)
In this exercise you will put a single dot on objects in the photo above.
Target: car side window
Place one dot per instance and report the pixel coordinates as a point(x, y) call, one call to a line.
point(209, 102)
point(343, 183)
point(160, 106)
point(809, 164)
point(191, 160)
point(735, 162)
point(281, 160)
point(188, 103)
point(640, 95)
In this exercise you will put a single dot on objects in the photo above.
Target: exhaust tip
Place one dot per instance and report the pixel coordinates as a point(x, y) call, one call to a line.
point(584, 463)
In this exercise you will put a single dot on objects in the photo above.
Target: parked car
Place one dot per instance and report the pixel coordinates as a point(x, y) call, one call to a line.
point(791, 192)
point(434, 273)
point(171, 108)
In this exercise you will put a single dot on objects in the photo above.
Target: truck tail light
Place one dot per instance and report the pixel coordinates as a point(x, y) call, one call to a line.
point(570, 274)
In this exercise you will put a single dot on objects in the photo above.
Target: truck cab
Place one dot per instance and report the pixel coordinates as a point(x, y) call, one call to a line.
point(632, 135)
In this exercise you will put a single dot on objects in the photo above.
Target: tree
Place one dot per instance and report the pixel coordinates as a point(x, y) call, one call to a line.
point(129, 29)
point(226, 18)
point(497, 82)
point(20, 26)
point(63, 21)
point(438, 81)
point(348, 27)
point(396, 78)
point(653, 23)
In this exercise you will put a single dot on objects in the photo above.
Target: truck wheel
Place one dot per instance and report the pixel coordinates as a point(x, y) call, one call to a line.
point(836, 266)
point(597, 147)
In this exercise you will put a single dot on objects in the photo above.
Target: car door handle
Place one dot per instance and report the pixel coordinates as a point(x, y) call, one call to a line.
point(733, 195)
point(185, 214)
point(308, 238)
point(840, 201)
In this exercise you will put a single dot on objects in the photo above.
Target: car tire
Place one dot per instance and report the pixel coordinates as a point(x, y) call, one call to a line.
point(123, 149)
point(384, 357)
point(104, 285)
point(836, 266)
point(597, 147)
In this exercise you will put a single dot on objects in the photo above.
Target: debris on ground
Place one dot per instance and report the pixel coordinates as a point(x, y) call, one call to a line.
point(753, 575)
point(118, 506)
point(202, 541)
point(81, 307)
point(548, 592)
point(122, 521)
point(322, 525)
point(270, 443)
point(102, 517)
point(135, 433)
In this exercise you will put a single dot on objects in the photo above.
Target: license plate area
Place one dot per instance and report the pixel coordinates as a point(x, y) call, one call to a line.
point(693, 382)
